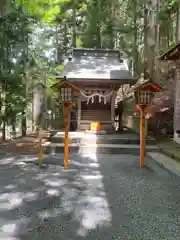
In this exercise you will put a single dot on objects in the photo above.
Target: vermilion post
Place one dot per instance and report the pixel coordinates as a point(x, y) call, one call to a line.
point(66, 148)
point(142, 135)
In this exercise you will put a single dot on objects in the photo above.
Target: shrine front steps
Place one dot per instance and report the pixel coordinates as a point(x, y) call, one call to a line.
point(102, 144)
point(83, 139)
point(53, 148)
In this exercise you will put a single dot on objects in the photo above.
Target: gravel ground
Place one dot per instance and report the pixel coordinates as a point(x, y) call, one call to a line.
point(103, 197)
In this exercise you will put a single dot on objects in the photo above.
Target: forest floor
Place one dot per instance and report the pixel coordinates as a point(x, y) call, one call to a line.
point(29, 145)
point(99, 197)
point(20, 145)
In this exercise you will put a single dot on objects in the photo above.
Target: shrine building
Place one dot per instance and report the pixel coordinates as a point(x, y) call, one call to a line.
point(99, 74)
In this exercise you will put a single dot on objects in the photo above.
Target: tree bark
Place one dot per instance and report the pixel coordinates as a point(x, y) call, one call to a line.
point(23, 124)
point(74, 24)
point(135, 51)
point(178, 23)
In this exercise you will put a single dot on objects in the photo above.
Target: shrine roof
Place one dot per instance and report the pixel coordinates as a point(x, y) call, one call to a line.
point(97, 64)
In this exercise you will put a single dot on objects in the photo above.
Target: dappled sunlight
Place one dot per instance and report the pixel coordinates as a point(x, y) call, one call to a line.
point(52, 194)
point(52, 191)
point(30, 196)
point(95, 165)
point(91, 152)
point(85, 198)
point(10, 186)
point(10, 200)
point(14, 228)
point(7, 160)
point(93, 208)
point(41, 176)
point(55, 182)
point(45, 214)
point(95, 214)
point(20, 163)
point(17, 160)
point(86, 177)
point(92, 212)
point(77, 163)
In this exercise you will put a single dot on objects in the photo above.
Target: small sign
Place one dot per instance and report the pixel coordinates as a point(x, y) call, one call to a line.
point(95, 126)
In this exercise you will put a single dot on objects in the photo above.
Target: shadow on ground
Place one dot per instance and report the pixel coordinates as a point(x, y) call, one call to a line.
point(97, 197)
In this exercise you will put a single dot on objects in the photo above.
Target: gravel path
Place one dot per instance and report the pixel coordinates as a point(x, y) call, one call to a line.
point(103, 197)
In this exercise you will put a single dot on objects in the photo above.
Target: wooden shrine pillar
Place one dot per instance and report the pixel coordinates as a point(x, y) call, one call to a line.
point(78, 112)
point(113, 108)
point(69, 119)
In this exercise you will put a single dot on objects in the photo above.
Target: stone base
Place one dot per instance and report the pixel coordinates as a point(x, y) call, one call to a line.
point(100, 132)
point(176, 138)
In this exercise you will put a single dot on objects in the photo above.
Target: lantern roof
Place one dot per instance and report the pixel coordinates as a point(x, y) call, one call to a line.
point(147, 84)
point(64, 83)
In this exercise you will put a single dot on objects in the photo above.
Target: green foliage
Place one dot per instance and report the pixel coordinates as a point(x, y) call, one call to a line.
point(36, 35)
point(45, 10)
point(79, 43)
point(59, 68)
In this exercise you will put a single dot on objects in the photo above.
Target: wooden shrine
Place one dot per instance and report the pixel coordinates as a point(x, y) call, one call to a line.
point(98, 74)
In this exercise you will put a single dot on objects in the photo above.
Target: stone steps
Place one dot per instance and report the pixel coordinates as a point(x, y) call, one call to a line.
point(53, 148)
point(96, 115)
point(88, 143)
point(101, 139)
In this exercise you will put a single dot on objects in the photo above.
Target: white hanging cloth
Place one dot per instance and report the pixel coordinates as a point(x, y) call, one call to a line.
point(90, 96)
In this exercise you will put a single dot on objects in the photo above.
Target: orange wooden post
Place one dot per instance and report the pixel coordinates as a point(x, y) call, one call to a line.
point(66, 148)
point(142, 135)
point(143, 95)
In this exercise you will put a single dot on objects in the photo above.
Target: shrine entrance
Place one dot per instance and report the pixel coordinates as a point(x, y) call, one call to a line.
point(99, 74)
point(95, 105)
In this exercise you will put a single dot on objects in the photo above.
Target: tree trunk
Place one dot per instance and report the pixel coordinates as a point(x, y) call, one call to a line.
point(3, 112)
point(146, 75)
point(58, 46)
point(178, 23)
point(3, 6)
point(13, 124)
point(3, 130)
point(135, 51)
point(23, 124)
point(74, 24)
point(151, 41)
point(156, 61)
